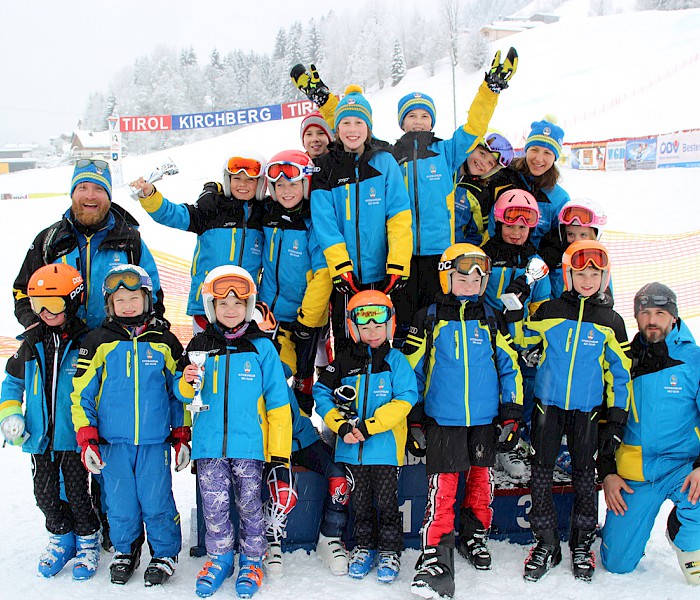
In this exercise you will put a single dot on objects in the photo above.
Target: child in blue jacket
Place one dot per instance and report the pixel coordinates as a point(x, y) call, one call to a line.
point(364, 396)
point(41, 375)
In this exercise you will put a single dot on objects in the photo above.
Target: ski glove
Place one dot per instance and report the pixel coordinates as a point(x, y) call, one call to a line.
point(415, 441)
point(346, 284)
point(393, 283)
point(508, 434)
point(179, 438)
point(310, 84)
point(90, 450)
point(500, 73)
point(610, 436)
point(519, 287)
point(12, 428)
point(301, 331)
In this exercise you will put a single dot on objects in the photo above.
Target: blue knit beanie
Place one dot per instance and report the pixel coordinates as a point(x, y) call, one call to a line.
point(547, 135)
point(354, 104)
point(416, 100)
point(93, 174)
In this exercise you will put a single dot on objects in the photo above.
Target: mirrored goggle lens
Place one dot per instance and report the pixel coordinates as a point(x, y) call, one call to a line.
point(580, 214)
point(131, 280)
point(514, 214)
point(655, 300)
point(224, 285)
point(595, 256)
point(364, 314)
point(290, 171)
point(84, 162)
point(505, 153)
point(249, 166)
point(468, 263)
point(54, 304)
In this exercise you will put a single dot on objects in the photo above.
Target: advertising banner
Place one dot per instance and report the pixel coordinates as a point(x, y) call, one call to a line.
point(640, 154)
point(681, 149)
point(615, 155)
point(588, 156)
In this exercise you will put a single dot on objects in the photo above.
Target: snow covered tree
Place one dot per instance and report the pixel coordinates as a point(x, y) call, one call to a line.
point(476, 50)
point(280, 50)
point(398, 64)
point(295, 41)
point(314, 44)
point(188, 58)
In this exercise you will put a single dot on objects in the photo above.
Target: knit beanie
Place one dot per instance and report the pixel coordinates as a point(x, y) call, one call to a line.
point(547, 135)
point(354, 104)
point(656, 295)
point(416, 100)
point(93, 174)
point(315, 119)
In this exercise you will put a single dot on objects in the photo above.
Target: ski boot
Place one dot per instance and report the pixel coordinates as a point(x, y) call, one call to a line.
point(362, 561)
point(123, 566)
point(511, 464)
point(472, 541)
point(273, 560)
point(435, 577)
point(543, 556)
point(582, 557)
point(159, 570)
point(389, 567)
point(60, 549)
point(332, 552)
point(87, 556)
point(250, 576)
point(214, 572)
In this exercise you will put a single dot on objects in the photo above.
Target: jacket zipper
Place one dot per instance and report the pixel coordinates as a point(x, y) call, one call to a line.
point(357, 222)
point(415, 194)
point(277, 273)
point(226, 375)
point(245, 231)
point(573, 351)
point(464, 361)
point(364, 404)
point(54, 381)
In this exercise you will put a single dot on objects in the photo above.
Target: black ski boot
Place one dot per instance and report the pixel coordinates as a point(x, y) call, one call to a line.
point(123, 566)
point(435, 577)
point(472, 541)
point(159, 570)
point(543, 556)
point(582, 557)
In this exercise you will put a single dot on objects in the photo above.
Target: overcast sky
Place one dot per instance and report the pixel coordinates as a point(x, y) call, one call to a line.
point(55, 52)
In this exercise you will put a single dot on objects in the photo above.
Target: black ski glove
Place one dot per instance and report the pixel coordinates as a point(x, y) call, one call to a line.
point(310, 84)
point(500, 73)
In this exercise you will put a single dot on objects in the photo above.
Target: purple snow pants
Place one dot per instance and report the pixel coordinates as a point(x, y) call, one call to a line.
point(217, 478)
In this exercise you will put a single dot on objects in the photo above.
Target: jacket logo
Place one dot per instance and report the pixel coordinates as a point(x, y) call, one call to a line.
point(246, 367)
point(83, 351)
point(354, 371)
point(382, 383)
point(149, 354)
point(433, 169)
point(343, 180)
point(116, 258)
point(476, 332)
point(330, 369)
point(673, 380)
point(372, 192)
point(295, 245)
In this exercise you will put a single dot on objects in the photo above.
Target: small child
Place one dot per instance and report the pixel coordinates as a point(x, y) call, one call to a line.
point(585, 363)
point(470, 383)
point(125, 412)
point(315, 135)
point(295, 282)
point(247, 424)
point(364, 396)
point(42, 372)
point(226, 219)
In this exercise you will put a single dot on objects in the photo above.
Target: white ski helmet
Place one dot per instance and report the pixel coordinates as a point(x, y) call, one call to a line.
point(584, 212)
point(131, 277)
point(252, 164)
point(224, 280)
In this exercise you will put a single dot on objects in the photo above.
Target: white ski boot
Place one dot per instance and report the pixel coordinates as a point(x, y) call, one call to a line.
point(332, 552)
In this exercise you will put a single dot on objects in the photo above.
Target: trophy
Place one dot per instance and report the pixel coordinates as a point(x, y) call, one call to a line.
point(345, 397)
point(167, 168)
point(536, 269)
point(198, 358)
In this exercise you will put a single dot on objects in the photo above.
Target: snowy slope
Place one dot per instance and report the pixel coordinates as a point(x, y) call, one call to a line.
point(567, 69)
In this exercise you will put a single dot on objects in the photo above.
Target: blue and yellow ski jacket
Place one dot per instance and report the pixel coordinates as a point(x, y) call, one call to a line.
point(386, 392)
point(124, 384)
point(248, 397)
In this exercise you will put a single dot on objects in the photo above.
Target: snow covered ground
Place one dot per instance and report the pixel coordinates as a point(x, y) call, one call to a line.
point(566, 69)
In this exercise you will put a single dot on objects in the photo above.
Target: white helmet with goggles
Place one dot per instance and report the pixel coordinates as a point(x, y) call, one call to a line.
point(251, 164)
point(225, 280)
point(130, 277)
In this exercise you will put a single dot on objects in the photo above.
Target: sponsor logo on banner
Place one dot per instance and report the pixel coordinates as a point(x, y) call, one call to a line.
point(588, 157)
point(640, 154)
point(681, 149)
point(615, 155)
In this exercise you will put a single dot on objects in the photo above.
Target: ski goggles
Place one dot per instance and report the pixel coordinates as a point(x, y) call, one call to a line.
point(86, 162)
point(131, 280)
point(54, 304)
point(363, 315)
point(584, 257)
point(504, 154)
point(580, 215)
point(467, 264)
point(289, 170)
point(222, 286)
point(520, 214)
point(240, 164)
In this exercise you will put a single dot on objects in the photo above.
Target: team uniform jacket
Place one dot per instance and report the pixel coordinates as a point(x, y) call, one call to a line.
point(295, 278)
point(248, 397)
point(124, 384)
point(465, 383)
point(550, 202)
point(228, 233)
point(29, 371)
point(472, 208)
point(93, 252)
point(663, 429)
point(585, 356)
point(361, 213)
point(509, 261)
point(386, 392)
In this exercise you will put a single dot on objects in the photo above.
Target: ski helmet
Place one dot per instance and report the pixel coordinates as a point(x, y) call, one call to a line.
point(370, 305)
point(584, 212)
point(516, 206)
point(57, 287)
point(293, 165)
point(502, 150)
point(463, 258)
point(131, 277)
point(250, 163)
point(582, 254)
point(225, 280)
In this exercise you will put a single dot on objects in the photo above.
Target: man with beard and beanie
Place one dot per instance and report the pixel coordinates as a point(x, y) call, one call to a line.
point(656, 457)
